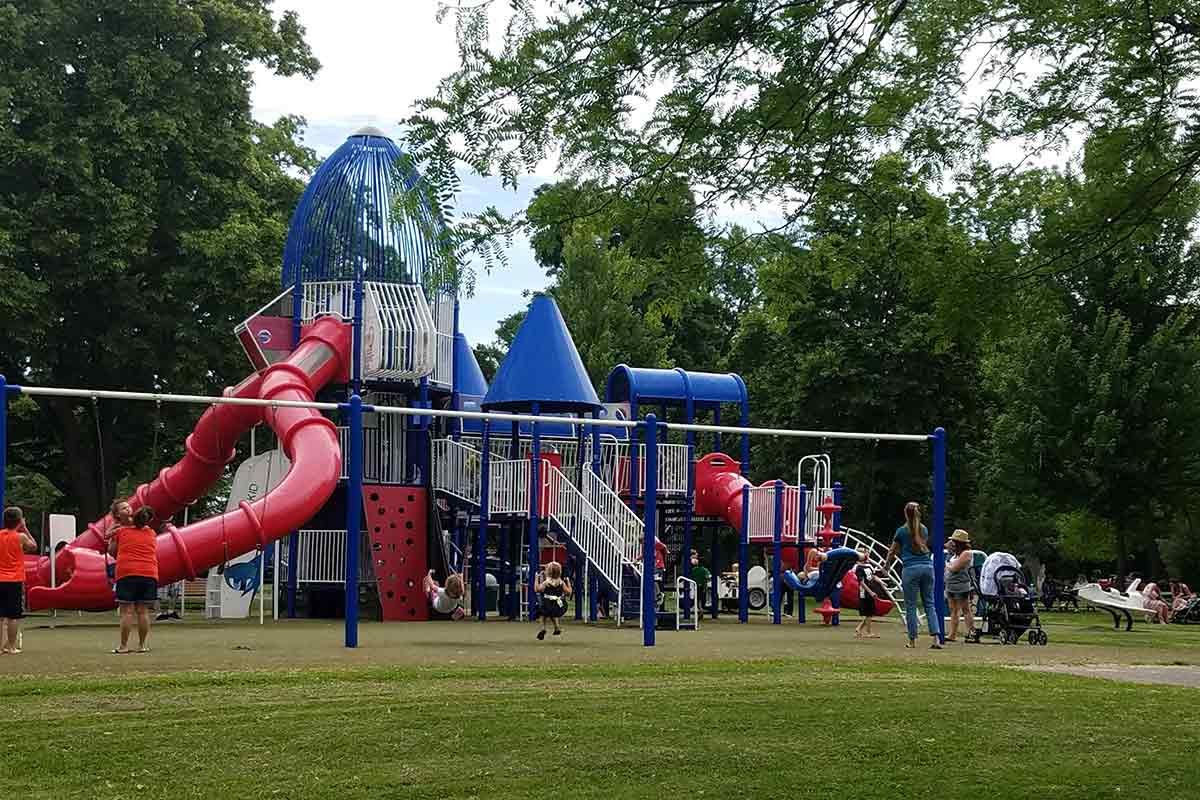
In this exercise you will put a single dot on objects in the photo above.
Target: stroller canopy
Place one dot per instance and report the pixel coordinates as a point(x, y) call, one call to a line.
point(987, 575)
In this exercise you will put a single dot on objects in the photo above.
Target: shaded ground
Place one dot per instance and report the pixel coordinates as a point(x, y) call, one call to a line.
point(75, 648)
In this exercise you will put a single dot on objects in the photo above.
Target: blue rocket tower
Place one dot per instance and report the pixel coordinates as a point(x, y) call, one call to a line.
point(362, 246)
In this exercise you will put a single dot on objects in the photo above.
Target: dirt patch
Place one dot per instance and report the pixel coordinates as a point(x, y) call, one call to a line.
point(1176, 675)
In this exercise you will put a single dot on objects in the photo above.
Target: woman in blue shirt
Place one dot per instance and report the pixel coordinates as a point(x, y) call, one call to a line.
point(911, 545)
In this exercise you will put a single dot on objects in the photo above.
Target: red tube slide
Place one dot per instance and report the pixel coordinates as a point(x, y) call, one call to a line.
point(309, 440)
point(719, 486)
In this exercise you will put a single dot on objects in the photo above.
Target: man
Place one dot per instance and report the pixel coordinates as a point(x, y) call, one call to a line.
point(15, 542)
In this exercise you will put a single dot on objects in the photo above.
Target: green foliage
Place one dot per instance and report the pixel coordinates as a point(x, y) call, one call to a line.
point(143, 213)
point(1085, 537)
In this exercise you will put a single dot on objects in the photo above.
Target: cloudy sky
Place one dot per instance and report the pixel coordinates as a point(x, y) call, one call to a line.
point(376, 59)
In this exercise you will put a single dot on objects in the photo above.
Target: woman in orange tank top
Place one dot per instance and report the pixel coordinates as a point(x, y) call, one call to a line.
point(15, 542)
point(136, 549)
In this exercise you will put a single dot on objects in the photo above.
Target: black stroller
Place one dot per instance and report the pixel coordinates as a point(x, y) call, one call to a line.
point(1012, 612)
point(1188, 614)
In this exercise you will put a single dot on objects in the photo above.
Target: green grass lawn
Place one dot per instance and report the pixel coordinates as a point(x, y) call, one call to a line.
point(470, 710)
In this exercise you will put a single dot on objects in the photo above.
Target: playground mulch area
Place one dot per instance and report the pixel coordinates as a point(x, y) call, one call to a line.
point(466, 709)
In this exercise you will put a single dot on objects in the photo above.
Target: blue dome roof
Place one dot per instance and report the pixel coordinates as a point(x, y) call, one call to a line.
point(542, 366)
point(344, 222)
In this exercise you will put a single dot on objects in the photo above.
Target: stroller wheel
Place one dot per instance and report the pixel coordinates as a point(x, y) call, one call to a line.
point(1033, 636)
point(1043, 639)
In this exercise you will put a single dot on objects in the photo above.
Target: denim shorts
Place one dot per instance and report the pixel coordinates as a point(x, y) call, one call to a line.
point(137, 589)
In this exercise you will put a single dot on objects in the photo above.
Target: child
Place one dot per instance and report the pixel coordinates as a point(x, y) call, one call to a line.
point(554, 590)
point(15, 542)
point(448, 599)
point(870, 589)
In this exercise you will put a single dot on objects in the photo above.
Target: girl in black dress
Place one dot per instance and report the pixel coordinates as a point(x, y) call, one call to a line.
point(554, 590)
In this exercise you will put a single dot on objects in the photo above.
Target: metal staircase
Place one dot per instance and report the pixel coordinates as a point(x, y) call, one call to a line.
point(591, 515)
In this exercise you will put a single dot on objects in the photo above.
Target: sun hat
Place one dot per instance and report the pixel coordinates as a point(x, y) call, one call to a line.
point(960, 536)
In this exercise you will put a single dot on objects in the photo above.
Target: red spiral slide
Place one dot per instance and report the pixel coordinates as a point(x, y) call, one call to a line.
point(308, 439)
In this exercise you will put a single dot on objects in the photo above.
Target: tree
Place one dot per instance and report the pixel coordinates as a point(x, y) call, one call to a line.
point(143, 216)
point(1096, 415)
point(764, 102)
point(842, 338)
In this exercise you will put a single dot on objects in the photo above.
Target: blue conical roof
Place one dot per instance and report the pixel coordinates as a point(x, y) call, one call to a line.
point(468, 377)
point(542, 366)
point(344, 227)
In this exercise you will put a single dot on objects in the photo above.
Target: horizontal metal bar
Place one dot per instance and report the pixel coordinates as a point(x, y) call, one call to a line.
point(197, 399)
point(887, 437)
point(48, 391)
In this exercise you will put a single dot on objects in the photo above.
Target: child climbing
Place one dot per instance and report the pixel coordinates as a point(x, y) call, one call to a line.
point(446, 599)
point(554, 590)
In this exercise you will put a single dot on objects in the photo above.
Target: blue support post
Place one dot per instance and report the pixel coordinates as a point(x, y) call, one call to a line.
point(777, 558)
point(745, 418)
point(801, 522)
point(577, 580)
point(3, 437)
point(297, 316)
point(715, 611)
point(293, 572)
point(593, 592)
point(479, 561)
point(717, 435)
point(939, 528)
point(690, 497)
point(634, 460)
point(423, 444)
point(356, 348)
point(353, 515)
point(535, 480)
point(744, 559)
point(502, 594)
point(649, 606)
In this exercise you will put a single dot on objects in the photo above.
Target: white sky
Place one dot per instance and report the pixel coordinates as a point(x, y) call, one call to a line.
point(377, 58)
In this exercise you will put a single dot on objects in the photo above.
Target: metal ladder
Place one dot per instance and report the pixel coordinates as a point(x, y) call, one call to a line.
point(876, 555)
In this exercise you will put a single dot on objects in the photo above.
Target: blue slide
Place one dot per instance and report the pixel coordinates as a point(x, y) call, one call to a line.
point(837, 563)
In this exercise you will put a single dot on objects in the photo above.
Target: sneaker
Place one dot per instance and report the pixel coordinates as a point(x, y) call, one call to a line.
point(541, 635)
point(558, 632)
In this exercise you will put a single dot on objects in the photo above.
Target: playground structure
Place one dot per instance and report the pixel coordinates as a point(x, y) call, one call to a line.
point(452, 474)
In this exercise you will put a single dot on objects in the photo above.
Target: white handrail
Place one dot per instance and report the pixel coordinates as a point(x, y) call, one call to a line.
point(627, 525)
point(508, 486)
point(586, 526)
point(457, 470)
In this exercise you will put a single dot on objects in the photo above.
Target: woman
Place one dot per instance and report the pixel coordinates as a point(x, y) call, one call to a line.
point(1154, 603)
point(958, 583)
point(136, 549)
point(911, 546)
point(1181, 595)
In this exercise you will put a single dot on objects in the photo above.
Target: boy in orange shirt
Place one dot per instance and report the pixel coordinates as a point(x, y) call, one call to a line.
point(15, 542)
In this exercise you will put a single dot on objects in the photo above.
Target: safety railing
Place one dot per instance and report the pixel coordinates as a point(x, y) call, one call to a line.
point(383, 453)
point(628, 526)
point(760, 516)
point(500, 447)
point(321, 557)
point(587, 527)
point(508, 486)
point(616, 465)
point(457, 470)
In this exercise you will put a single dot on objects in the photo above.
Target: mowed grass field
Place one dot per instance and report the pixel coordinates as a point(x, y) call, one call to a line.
point(465, 709)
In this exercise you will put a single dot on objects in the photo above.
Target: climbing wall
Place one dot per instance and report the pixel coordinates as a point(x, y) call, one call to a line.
point(396, 521)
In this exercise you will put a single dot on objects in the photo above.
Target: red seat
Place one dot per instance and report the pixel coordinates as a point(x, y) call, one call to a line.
point(827, 611)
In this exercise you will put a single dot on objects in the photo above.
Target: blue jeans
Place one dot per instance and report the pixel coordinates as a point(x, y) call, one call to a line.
point(919, 578)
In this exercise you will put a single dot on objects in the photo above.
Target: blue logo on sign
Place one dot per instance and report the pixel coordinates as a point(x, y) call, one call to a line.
point(264, 336)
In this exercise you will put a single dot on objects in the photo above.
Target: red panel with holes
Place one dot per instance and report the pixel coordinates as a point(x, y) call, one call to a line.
point(397, 518)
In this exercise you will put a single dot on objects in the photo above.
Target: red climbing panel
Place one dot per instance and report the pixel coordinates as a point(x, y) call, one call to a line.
point(397, 518)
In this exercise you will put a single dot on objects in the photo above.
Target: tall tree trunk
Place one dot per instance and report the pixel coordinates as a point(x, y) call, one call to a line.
point(78, 439)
